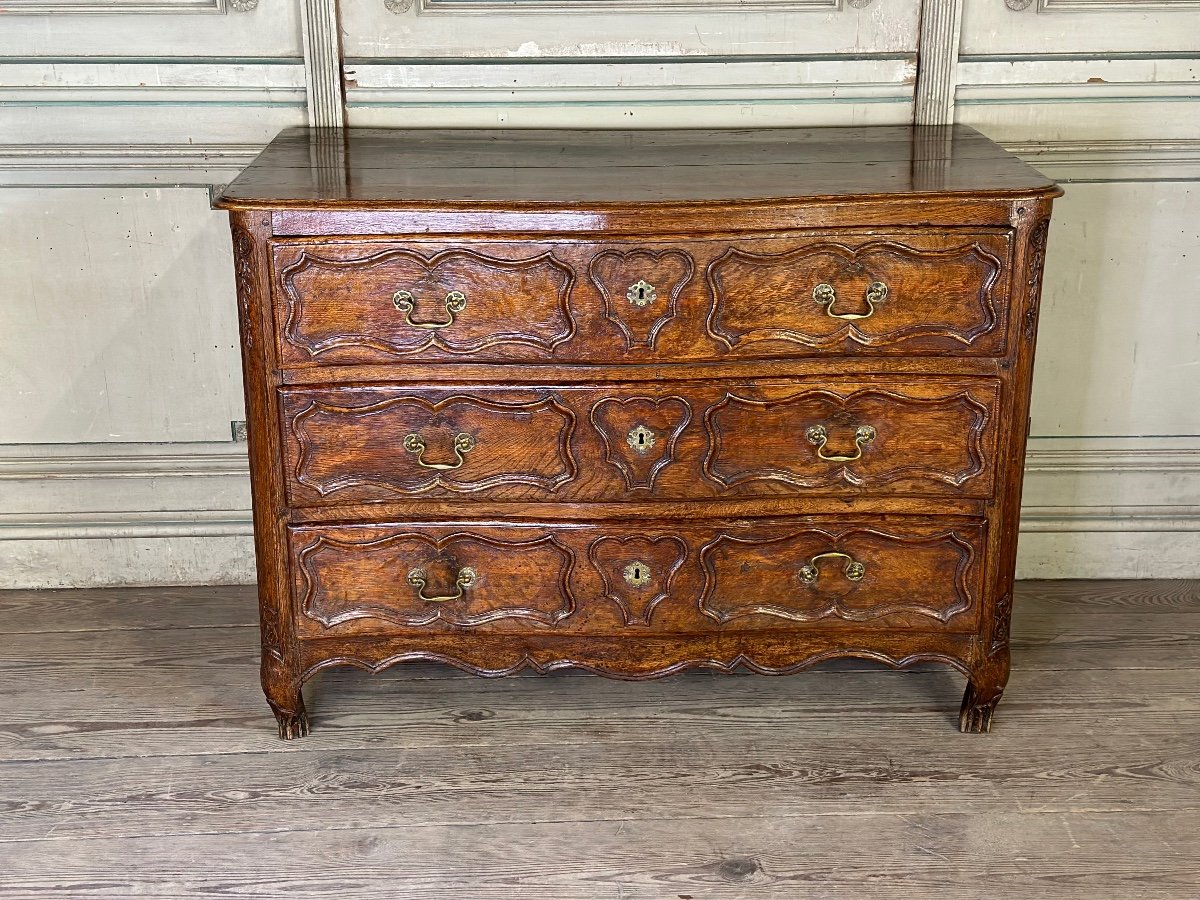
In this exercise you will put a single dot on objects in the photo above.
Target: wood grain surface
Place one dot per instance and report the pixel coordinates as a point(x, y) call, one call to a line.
point(135, 761)
point(703, 440)
point(477, 167)
point(546, 298)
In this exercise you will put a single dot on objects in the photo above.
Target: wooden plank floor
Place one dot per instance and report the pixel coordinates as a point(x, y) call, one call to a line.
point(138, 759)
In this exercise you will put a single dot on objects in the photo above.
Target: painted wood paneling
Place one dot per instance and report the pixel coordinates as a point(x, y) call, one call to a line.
point(631, 94)
point(178, 102)
point(1101, 98)
point(118, 317)
point(1119, 343)
point(269, 28)
point(1049, 27)
point(620, 30)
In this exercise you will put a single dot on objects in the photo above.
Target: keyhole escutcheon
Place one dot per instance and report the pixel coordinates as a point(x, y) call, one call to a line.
point(641, 293)
point(640, 439)
point(637, 573)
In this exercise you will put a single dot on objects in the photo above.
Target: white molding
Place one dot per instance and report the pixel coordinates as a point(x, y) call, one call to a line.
point(184, 79)
point(323, 63)
point(1087, 519)
point(90, 461)
point(1114, 160)
point(575, 7)
point(125, 524)
point(1103, 6)
point(114, 165)
point(154, 95)
point(1044, 456)
point(937, 61)
point(74, 492)
point(119, 7)
point(550, 95)
point(1077, 79)
point(513, 82)
point(1059, 92)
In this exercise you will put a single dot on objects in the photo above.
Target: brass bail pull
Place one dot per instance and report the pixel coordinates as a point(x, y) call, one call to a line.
point(825, 295)
point(456, 302)
point(464, 579)
point(463, 443)
point(853, 570)
point(819, 435)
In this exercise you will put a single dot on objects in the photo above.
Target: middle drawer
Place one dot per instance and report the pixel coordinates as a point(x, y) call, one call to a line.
point(677, 441)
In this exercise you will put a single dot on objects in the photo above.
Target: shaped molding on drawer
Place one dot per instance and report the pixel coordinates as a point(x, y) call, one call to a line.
point(375, 303)
point(415, 580)
point(883, 294)
point(858, 574)
point(918, 433)
point(405, 444)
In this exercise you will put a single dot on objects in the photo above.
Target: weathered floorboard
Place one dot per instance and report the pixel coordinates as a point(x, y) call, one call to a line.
point(1030, 855)
point(137, 758)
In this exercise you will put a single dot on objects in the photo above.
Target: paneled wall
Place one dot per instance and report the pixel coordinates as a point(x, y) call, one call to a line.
point(118, 356)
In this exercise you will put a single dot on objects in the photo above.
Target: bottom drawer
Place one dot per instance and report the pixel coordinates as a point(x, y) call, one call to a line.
point(663, 576)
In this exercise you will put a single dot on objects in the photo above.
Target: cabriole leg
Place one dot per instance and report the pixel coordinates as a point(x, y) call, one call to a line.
point(292, 719)
point(285, 697)
point(985, 686)
point(978, 705)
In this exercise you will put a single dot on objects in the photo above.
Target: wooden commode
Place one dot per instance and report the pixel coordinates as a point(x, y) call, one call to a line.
point(637, 401)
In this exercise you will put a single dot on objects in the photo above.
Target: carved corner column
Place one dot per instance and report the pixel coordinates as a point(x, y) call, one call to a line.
point(990, 666)
point(280, 670)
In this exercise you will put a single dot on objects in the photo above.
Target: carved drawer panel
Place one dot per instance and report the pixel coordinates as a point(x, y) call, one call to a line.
point(902, 292)
point(923, 434)
point(640, 289)
point(912, 576)
point(372, 443)
point(891, 293)
point(635, 578)
point(419, 577)
point(675, 441)
point(376, 302)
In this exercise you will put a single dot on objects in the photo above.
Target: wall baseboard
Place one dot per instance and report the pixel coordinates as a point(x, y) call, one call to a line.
point(162, 514)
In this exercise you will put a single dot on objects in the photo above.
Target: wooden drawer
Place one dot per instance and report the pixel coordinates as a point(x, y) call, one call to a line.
point(887, 293)
point(379, 302)
point(858, 291)
point(678, 441)
point(622, 579)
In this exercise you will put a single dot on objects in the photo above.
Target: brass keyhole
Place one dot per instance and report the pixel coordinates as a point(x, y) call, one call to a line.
point(640, 439)
point(637, 574)
point(641, 293)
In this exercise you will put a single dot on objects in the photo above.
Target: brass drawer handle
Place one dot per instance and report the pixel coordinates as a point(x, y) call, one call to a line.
point(465, 578)
point(817, 434)
point(463, 443)
point(854, 570)
point(456, 302)
point(826, 296)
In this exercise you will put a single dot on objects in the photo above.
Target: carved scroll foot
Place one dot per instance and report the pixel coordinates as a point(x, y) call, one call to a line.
point(293, 722)
point(978, 706)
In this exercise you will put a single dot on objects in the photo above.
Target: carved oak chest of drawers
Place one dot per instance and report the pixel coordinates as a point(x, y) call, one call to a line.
point(637, 401)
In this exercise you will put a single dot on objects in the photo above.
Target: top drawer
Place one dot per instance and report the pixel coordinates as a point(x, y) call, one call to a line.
point(906, 291)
